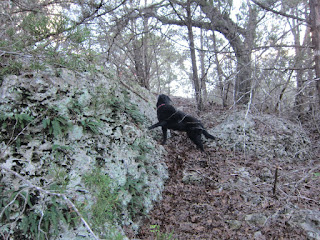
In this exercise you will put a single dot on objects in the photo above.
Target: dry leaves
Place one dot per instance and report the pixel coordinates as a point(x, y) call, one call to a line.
point(232, 196)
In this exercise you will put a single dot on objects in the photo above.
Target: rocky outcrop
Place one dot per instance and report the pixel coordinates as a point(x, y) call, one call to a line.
point(82, 135)
point(265, 136)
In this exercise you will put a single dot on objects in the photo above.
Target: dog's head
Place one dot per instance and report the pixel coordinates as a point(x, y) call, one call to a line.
point(163, 99)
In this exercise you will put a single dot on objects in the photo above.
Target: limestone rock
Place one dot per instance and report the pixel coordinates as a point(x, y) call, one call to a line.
point(77, 127)
point(309, 220)
point(265, 136)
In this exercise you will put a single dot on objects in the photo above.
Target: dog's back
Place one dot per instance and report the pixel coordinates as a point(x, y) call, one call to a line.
point(170, 118)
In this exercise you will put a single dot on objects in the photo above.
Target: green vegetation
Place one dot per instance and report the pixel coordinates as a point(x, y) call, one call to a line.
point(37, 36)
point(137, 187)
point(99, 99)
point(15, 121)
point(91, 125)
point(60, 176)
point(133, 111)
point(75, 108)
point(106, 207)
point(41, 26)
point(316, 174)
point(22, 208)
point(142, 145)
point(55, 126)
point(12, 125)
point(118, 103)
point(40, 214)
point(39, 223)
point(155, 229)
point(126, 106)
point(13, 67)
point(138, 190)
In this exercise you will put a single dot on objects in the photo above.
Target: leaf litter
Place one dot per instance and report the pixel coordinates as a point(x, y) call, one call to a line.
point(223, 194)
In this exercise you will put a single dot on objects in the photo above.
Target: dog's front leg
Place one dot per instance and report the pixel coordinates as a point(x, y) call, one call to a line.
point(164, 132)
point(158, 124)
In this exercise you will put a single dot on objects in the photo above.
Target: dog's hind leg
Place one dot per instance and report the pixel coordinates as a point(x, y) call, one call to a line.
point(195, 137)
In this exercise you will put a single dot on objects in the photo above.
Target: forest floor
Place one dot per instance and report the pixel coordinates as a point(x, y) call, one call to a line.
point(209, 208)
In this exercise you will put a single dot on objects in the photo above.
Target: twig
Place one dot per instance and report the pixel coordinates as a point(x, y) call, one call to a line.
point(31, 185)
point(11, 140)
point(39, 226)
point(275, 181)
point(132, 90)
point(10, 203)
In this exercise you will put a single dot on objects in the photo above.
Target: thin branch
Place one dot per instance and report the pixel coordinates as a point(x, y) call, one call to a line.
point(31, 185)
point(10, 203)
point(278, 12)
point(288, 69)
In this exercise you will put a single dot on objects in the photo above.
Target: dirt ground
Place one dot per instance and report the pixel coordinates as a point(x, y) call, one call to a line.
point(208, 197)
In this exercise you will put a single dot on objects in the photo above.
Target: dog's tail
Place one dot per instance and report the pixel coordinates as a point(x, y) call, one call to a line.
point(207, 135)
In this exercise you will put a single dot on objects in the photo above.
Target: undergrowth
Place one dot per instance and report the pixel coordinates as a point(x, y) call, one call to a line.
point(106, 206)
point(37, 216)
point(124, 105)
point(158, 235)
point(15, 121)
point(137, 187)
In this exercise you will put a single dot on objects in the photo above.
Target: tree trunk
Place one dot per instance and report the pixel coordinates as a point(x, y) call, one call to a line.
point(195, 77)
point(222, 85)
point(298, 58)
point(138, 62)
point(203, 70)
point(140, 52)
point(145, 45)
point(242, 86)
point(242, 47)
point(315, 33)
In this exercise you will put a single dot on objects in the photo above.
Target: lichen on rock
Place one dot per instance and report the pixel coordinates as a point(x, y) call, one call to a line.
point(265, 136)
point(78, 127)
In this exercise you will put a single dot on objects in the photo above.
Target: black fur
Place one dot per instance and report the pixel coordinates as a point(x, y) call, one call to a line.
point(170, 118)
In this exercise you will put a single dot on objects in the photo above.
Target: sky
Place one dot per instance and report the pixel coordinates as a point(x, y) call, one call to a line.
point(186, 90)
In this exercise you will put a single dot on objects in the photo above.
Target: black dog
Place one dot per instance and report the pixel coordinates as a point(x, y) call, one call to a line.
point(170, 118)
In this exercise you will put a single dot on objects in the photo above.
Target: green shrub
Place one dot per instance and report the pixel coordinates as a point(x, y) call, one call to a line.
point(55, 124)
point(12, 67)
point(125, 106)
point(40, 26)
point(12, 126)
point(42, 222)
point(17, 121)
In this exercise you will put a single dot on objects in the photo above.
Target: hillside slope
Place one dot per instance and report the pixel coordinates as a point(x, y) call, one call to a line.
point(77, 162)
point(229, 192)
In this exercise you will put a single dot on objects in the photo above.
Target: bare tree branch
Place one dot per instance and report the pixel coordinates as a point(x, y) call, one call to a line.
point(278, 12)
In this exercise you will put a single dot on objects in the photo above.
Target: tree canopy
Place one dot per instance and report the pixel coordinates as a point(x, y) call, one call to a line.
point(261, 53)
